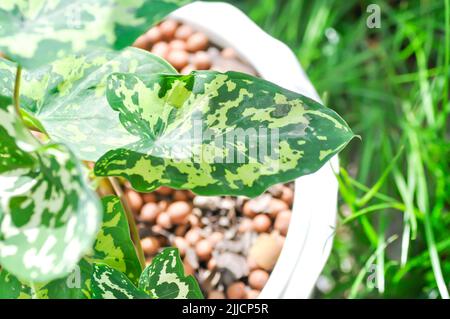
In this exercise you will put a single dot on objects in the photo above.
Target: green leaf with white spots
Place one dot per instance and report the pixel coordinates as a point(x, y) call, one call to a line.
point(108, 283)
point(11, 155)
point(113, 245)
point(67, 98)
point(48, 214)
point(36, 32)
point(165, 278)
point(12, 288)
point(218, 134)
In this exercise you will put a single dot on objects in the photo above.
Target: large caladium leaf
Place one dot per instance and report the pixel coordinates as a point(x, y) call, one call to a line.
point(165, 278)
point(48, 214)
point(218, 133)
point(108, 283)
point(36, 32)
point(68, 97)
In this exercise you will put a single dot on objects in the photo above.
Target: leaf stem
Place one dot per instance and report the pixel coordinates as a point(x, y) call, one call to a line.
point(131, 222)
point(17, 90)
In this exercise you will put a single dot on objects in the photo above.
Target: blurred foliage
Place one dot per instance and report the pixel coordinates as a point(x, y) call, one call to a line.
point(392, 85)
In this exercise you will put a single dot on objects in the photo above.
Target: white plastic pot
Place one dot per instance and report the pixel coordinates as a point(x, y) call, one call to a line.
point(309, 240)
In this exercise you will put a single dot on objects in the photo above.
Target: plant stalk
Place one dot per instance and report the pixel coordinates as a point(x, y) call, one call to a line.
point(17, 90)
point(130, 217)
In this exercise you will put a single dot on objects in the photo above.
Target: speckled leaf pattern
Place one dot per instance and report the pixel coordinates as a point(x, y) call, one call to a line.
point(11, 155)
point(12, 288)
point(48, 214)
point(165, 278)
point(36, 32)
point(108, 283)
point(253, 134)
point(113, 247)
point(68, 97)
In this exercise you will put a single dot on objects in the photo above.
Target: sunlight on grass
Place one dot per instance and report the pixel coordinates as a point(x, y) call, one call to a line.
point(392, 85)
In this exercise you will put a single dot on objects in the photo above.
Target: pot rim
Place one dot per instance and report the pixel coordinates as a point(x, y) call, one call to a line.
point(311, 230)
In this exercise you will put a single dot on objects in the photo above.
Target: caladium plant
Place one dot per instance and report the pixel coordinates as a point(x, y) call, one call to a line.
point(130, 114)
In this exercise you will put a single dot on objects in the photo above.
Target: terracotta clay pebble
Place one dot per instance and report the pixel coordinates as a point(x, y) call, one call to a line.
point(154, 35)
point(178, 212)
point(149, 198)
point(251, 263)
point(266, 250)
point(258, 279)
point(287, 195)
point(134, 200)
point(183, 32)
point(253, 294)
point(245, 225)
point(168, 28)
point(161, 49)
point(188, 269)
point(261, 223)
point(163, 220)
point(150, 245)
point(177, 45)
point(149, 212)
point(277, 205)
point(193, 220)
point(188, 69)
point(203, 249)
point(164, 191)
point(229, 53)
point(236, 290)
point(202, 60)
point(193, 236)
point(178, 58)
point(163, 204)
point(182, 245)
point(197, 42)
point(142, 43)
point(216, 294)
point(212, 264)
point(282, 222)
point(180, 195)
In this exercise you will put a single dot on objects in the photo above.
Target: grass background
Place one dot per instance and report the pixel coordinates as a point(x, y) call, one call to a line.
point(392, 85)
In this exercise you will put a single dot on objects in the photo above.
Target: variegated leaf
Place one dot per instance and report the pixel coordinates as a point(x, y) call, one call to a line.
point(218, 133)
point(48, 214)
point(36, 32)
point(108, 283)
point(12, 288)
point(113, 247)
point(165, 278)
point(68, 98)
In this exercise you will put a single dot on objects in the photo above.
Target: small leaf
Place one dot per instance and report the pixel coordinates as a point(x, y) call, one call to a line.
point(218, 134)
point(113, 245)
point(108, 283)
point(68, 100)
point(48, 214)
point(12, 288)
point(165, 278)
point(36, 32)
